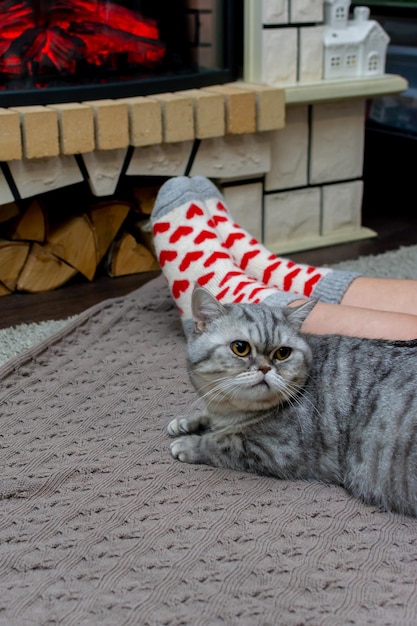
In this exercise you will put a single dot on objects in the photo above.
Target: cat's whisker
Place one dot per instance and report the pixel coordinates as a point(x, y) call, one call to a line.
point(219, 388)
point(195, 371)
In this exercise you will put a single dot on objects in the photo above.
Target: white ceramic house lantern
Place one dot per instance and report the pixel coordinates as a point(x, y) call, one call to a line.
point(354, 47)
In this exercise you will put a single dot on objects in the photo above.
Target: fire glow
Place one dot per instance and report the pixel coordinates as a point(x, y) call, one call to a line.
point(44, 39)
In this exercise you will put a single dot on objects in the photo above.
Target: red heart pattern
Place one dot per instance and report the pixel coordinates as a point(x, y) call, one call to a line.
point(215, 256)
point(194, 242)
point(309, 285)
point(203, 280)
point(205, 234)
point(178, 287)
point(247, 257)
point(215, 220)
point(228, 276)
point(242, 285)
point(189, 258)
point(161, 227)
point(290, 277)
point(231, 239)
point(266, 277)
point(194, 211)
point(181, 231)
point(259, 263)
point(165, 256)
point(187, 249)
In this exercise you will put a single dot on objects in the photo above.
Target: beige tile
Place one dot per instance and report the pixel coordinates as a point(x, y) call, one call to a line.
point(40, 131)
point(10, 135)
point(76, 127)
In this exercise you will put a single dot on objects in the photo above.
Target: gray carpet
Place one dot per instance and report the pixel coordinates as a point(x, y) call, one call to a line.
point(16, 339)
point(99, 525)
point(401, 263)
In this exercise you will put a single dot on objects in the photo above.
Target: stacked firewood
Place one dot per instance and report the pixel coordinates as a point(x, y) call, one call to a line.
point(38, 254)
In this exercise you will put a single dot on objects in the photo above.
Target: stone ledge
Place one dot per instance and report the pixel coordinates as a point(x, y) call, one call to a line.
point(35, 132)
point(322, 241)
point(331, 90)
point(237, 108)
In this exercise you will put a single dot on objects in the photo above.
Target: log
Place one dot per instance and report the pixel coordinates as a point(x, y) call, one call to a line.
point(74, 242)
point(4, 291)
point(107, 218)
point(13, 255)
point(143, 229)
point(31, 225)
point(127, 256)
point(8, 211)
point(145, 198)
point(43, 271)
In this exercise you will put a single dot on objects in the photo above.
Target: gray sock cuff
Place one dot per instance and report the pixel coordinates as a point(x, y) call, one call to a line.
point(332, 287)
point(173, 193)
point(205, 189)
point(282, 298)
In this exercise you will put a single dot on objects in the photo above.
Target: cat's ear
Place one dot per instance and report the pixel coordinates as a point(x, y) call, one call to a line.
point(298, 314)
point(205, 308)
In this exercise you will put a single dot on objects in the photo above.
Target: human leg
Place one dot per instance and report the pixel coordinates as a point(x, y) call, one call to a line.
point(329, 286)
point(258, 262)
point(383, 294)
point(355, 321)
point(190, 252)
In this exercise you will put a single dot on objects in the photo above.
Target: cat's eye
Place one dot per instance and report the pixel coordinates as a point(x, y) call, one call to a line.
point(282, 353)
point(240, 347)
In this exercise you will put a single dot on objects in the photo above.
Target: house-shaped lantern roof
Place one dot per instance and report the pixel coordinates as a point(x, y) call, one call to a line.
point(355, 47)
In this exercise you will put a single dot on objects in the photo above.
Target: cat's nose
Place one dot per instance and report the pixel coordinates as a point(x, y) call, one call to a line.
point(265, 369)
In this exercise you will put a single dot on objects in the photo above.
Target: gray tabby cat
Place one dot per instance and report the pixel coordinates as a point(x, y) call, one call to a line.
point(282, 403)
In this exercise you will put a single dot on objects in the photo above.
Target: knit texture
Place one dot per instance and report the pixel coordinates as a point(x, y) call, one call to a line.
point(258, 262)
point(99, 525)
point(190, 252)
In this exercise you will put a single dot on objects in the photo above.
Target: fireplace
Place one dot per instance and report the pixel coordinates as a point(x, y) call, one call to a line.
point(272, 141)
point(54, 51)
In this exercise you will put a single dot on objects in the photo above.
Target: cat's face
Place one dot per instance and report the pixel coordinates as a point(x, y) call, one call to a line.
point(246, 357)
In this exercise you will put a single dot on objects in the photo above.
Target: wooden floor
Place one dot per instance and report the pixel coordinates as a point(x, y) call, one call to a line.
point(74, 298)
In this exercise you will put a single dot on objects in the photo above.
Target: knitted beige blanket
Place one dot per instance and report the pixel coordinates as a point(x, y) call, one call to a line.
point(99, 525)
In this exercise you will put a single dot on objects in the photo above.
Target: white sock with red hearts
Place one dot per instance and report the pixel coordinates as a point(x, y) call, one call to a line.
point(190, 252)
point(250, 255)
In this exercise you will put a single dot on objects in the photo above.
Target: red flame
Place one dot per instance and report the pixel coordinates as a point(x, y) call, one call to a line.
point(95, 32)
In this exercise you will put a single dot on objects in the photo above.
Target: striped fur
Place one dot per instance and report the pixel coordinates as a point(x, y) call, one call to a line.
point(337, 409)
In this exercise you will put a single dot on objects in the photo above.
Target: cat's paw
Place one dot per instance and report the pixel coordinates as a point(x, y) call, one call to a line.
point(186, 449)
point(186, 425)
point(178, 426)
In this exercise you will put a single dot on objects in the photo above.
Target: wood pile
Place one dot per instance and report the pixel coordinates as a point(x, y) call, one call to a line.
point(39, 254)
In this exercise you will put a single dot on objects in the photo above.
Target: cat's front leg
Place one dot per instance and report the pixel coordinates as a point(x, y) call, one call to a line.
point(186, 425)
point(187, 449)
point(211, 448)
